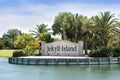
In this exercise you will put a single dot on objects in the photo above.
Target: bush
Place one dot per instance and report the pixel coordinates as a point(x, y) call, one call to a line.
point(103, 52)
point(39, 54)
point(116, 52)
point(18, 53)
point(1, 43)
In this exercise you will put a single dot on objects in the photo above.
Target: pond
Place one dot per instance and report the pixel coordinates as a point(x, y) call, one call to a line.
point(51, 72)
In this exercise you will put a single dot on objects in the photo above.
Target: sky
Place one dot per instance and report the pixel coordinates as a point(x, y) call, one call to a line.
point(26, 14)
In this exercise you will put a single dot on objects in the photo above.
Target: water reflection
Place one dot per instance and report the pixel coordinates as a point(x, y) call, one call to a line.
point(72, 72)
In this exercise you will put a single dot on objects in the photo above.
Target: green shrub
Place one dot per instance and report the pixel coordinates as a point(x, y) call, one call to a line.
point(103, 52)
point(38, 54)
point(18, 53)
point(116, 52)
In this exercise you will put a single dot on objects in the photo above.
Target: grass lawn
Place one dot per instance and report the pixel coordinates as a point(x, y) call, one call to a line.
point(6, 53)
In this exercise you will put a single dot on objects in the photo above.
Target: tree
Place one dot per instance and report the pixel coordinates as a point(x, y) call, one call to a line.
point(1, 43)
point(105, 21)
point(115, 38)
point(10, 36)
point(86, 31)
point(81, 29)
point(31, 47)
point(22, 40)
point(45, 37)
point(73, 27)
point(74, 32)
point(62, 22)
point(78, 26)
point(26, 42)
point(39, 29)
point(41, 33)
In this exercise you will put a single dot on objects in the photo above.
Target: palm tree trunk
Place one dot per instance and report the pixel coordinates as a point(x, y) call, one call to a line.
point(76, 34)
point(104, 42)
point(64, 35)
point(85, 45)
point(93, 46)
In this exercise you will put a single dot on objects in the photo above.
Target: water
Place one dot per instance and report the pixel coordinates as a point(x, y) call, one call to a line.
point(42, 72)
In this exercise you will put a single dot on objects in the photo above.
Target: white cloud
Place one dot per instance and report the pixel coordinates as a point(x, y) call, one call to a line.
point(26, 17)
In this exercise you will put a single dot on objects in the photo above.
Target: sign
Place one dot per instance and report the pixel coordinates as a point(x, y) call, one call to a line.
point(62, 48)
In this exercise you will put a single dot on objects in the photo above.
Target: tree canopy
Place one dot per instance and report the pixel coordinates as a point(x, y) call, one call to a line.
point(10, 36)
point(101, 30)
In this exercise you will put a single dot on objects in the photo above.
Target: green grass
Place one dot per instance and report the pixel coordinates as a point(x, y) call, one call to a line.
point(6, 53)
point(87, 51)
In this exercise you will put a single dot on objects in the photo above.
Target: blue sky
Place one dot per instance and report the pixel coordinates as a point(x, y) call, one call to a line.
point(26, 14)
point(9, 3)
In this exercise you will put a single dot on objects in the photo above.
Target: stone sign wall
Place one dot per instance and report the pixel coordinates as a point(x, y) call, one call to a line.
point(62, 48)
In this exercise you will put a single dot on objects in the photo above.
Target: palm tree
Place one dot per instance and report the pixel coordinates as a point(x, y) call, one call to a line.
point(39, 29)
point(62, 23)
point(82, 29)
point(116, 30)
point(116, 36)
point(41, 33)
point(73, 27)
point(77, 27)
point(104, 22)
point(86, 31)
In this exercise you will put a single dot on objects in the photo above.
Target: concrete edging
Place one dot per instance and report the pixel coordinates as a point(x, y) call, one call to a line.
point(59, 60)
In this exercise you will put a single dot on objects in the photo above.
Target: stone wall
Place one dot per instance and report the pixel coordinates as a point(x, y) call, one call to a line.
point(62, 48)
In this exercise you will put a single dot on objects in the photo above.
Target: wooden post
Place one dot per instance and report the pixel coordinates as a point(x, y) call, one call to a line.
point(16, 60)
point(57, 61)
point(88, 60)
point(46, 62)
point(9, 59)
point(28, 61)
point(99, 61)
point(109, 60)
point(37, 60)
point(67, 61)
point(22, 60)
point(13, 60)
point(119, 60)
point(77, 61)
